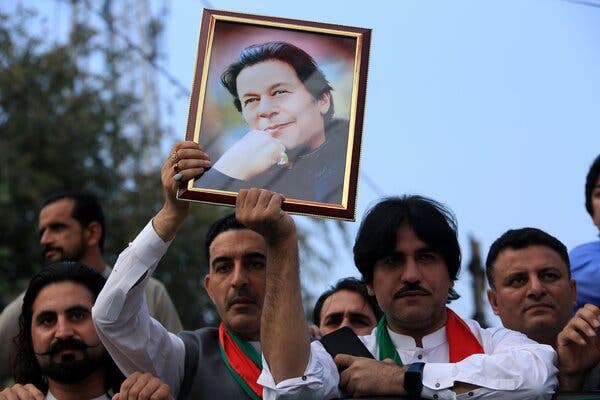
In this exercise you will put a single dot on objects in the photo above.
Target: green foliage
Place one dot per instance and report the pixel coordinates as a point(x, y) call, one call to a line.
point(65, 125)
point(59, 128)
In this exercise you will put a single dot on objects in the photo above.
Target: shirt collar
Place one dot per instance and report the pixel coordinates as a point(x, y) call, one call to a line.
point(432, 340)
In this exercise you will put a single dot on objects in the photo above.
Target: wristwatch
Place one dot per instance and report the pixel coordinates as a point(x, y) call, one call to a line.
point(413, 380)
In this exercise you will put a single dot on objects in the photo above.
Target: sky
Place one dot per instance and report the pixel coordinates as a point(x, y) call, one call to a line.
point(492, 108)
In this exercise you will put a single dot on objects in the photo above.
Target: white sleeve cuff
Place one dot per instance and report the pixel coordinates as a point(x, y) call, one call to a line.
point(438, 376)
point(320, 379)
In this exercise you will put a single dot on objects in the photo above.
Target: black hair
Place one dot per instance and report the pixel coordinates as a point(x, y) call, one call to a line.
point(432, 222)
point(352, 285)
point(26, 368)
point(224, 224)
point(590, 184)
point(517, 239)
point(86, 209)
point(305, 66)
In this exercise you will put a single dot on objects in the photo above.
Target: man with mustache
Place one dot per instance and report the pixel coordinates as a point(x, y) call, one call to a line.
point(347, 303)
point(532, 292)
point(296, 147)
point(408, 254)
point(72, 227)
point(221, 362)
point(60, 356)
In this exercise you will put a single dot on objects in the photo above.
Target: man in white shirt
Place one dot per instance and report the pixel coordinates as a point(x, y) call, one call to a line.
point(532, 291)
point(209, 362)
point(72, 227)
point(407, 252)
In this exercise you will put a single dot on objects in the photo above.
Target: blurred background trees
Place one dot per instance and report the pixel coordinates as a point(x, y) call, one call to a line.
point(85, 113)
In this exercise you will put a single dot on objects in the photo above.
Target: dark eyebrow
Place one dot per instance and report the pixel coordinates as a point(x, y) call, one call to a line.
point(359, 315)
point(426, 249)
point(514, 275)
point(338, 316)
point(45, 314)
point(220, 259)
point(333, 315)
point(255, 254)
point(273, 86)
point(52, 225)
point(393, 253)
point(551, 269)
point(78, 308)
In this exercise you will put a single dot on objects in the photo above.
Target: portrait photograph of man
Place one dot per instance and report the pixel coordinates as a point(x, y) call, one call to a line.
point(277, 112)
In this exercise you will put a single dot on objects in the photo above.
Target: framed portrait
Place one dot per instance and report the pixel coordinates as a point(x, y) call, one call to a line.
point(278, 104)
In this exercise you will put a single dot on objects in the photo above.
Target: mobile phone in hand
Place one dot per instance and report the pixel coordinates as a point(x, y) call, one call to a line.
point(345, 341)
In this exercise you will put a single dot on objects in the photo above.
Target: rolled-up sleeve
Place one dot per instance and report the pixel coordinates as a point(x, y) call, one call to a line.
point(136, 341)
point(320, 379)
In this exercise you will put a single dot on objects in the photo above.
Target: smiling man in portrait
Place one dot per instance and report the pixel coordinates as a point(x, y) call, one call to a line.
point(294, 146)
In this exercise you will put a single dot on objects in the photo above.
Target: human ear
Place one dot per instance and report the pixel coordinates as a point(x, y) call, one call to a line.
point(207, 287)
point(492, 298)
point(370, 290)
point(93, 233)
point(324, 102)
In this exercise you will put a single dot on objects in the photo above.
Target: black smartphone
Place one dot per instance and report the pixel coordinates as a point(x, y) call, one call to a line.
point(345, 341)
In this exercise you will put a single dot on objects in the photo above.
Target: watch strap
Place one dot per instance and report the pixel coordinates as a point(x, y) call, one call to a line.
point(413, 380)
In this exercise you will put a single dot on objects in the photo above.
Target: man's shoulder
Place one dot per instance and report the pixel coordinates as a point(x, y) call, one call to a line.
point(337, 124)
point(489, 336)
point(154, 285)
point(593, 247)
point(14, 307)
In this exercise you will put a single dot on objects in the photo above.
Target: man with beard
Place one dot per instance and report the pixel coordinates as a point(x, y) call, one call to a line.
point(60, 356)
point(221, 362)
point(71, 227)
point(58, 349)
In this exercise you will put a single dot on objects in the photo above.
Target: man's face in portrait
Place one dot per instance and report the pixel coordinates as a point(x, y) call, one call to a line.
point(532, 291)
point(411, 285)
point(347, 308)
point(274, 100)
point(236, 281)
point(61, 236)
point(62, 333)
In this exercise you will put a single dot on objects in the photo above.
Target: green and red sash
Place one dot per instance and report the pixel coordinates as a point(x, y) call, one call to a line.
point(461, 341)
point(242, 360)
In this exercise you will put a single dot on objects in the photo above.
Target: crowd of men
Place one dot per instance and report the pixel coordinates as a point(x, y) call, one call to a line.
point(84, 331)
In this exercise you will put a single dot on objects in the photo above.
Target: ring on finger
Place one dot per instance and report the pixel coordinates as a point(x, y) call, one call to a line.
point(178, 176)
point(174, 157)
point(283, 159)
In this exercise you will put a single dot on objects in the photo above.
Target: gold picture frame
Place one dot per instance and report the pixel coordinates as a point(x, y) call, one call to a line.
point(279, 103)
